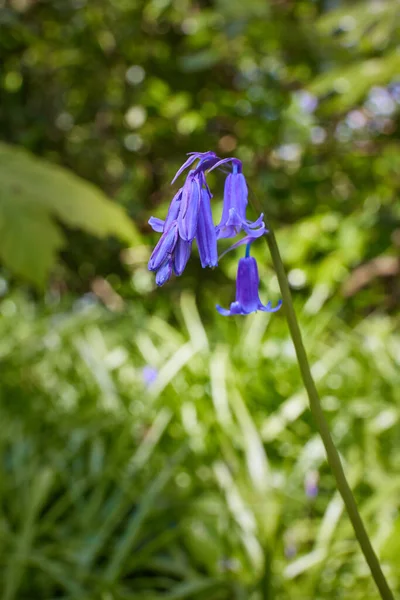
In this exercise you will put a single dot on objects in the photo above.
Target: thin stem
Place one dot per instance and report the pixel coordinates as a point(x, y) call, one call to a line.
point(322, 425)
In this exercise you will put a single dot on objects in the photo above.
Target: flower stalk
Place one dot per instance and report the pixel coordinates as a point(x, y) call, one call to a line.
point(322, 425)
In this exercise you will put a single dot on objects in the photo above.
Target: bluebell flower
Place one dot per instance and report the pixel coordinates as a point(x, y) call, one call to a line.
point(149, 375)
point(311, 484)
point(189, 217)
point(290, 550)
point(233, 218)
point(247, 299)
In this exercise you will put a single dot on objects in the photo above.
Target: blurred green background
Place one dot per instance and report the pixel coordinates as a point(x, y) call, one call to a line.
point(149, 447)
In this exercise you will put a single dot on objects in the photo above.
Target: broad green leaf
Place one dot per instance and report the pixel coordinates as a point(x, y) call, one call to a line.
point(34, 196)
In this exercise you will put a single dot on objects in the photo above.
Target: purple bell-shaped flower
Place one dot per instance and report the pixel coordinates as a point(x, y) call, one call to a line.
point(233, 218)
point(247, 298)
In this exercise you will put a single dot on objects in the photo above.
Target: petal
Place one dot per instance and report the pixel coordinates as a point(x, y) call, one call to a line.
point(225, 233)
point(156, 224)
point(268, 307)
point(206, 236)
point(181, 255)
point(237, 309)
point(189, 212)
point(207, 160)
point(203, 183)
point(240, 193)
point(223, 311)
point(252, 231)
point(235, 199)
point(164, 248)
point(231, 227)
point(164, 272)
point(174, 208)
point(247, 285)
point(185, 165)
point(228, 200)
point(201, 154)
point(237, 164)
point(257, 223)
point(234, 220)
point(221, 162)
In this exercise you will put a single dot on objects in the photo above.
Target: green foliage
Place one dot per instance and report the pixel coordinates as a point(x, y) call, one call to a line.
point(34, 196)
point(192, 487)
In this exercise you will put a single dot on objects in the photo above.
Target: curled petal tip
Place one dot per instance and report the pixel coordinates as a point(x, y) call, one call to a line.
point(268, 307)
point(223, 311)
point(185, 165)
point(156, 224)
point(219, 163)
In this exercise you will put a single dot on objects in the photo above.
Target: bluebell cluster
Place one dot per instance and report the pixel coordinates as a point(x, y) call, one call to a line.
point(190, 218)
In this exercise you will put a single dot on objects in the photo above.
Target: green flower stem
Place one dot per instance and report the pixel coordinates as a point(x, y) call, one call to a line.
point(322, 425)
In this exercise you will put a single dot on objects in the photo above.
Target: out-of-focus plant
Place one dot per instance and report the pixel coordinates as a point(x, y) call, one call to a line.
point(34, 195)
point(95, 497)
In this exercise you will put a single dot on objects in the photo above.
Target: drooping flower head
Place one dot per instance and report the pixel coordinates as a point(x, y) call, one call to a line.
point(247, 298)
point(189, 217)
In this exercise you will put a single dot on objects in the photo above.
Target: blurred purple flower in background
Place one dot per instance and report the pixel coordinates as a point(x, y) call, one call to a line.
point(307, 101)
point(380, 102)
point(311, 484)
point(149, 375)
point(394, 91)
point(290, 550)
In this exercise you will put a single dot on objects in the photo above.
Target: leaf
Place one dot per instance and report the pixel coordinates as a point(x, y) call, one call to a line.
point(29, 239)
point(34, 195)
